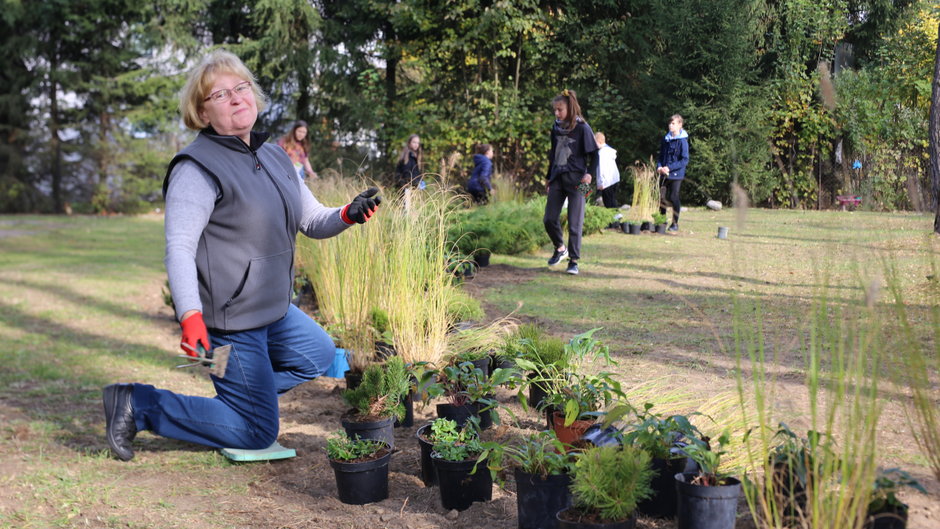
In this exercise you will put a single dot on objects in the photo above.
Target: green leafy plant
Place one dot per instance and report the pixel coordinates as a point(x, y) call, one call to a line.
point(541, 454)
point(653, 432)
point(340, 447)
point(610, 481)
point(382, 391)
point(887, 484)
point(452, 443)
point(464, 383)
point(709, 460)
point(659, 218)
point(580, 394)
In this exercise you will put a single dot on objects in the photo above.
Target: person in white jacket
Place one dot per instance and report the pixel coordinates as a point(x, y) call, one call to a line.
point(608, 176)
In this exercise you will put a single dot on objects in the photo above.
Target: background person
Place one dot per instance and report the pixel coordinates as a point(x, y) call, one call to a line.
point(297, 145)
point(608, 176)
point(234, 206)
point(571, 162)
point(673, 158)
point(479, 185)
point(408, 171)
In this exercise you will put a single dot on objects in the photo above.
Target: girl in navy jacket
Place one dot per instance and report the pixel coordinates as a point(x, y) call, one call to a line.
point(479, 185)
point(673, 157)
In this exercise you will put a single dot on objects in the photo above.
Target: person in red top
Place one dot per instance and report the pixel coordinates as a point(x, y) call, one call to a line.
point(297, 144)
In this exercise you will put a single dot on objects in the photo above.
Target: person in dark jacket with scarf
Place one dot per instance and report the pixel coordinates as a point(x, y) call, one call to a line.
point(479, 185)
point(234, 206)
point(408, 171)
point(673, 158)
point(571, 162)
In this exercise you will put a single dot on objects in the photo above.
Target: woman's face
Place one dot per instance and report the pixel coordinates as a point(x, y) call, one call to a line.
point(236, 115)
point(300, 133)
point(674, 127)
point(561, 110)
point(489, 153)
point(414, 143)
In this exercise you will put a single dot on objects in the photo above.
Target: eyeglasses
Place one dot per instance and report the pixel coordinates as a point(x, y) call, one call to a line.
point(223, 95)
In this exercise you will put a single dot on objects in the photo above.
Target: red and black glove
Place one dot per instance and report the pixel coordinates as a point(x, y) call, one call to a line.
point(362, 207)
point(194, 335)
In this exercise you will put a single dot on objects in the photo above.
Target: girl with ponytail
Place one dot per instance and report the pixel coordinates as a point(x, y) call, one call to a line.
point(571, 162)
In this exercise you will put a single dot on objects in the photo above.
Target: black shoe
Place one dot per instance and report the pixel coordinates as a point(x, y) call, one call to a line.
point(673, 227)
point(557, 257)
point(119, 419)
point(572, 268)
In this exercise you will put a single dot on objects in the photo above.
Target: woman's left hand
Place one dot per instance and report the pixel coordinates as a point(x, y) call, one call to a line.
point(586, 179)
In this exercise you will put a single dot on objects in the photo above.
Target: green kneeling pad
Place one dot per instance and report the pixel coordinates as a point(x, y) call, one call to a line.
point(275, 451)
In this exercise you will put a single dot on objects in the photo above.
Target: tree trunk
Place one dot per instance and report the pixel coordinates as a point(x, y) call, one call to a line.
point(393, 56)
point(934, 132)
point(57, 204)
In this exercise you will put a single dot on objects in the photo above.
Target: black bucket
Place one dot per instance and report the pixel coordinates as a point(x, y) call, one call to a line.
point(635, 229)
point(458, 414)
point(663, 484)
point(382, 429)
point(646, 226)
point(629, 523)
point(660, 229)
point(459, 488)
point(428, 472)
point(537, 499)
point(353, 379)
point(703, 507)
point(361, 483)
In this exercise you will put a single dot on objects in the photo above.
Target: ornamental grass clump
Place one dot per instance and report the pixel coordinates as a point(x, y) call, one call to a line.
point(417, 290)
point(345, 277)
point(843, 352)
point(645, 192)
point(609, 482)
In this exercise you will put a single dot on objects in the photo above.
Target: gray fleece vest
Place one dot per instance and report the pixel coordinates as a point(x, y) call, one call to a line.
point(245, 256)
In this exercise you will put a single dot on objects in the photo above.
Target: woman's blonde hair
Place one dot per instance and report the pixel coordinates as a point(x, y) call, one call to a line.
point(199, 82)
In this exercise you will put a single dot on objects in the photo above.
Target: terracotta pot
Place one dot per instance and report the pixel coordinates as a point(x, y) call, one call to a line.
point(569, 434)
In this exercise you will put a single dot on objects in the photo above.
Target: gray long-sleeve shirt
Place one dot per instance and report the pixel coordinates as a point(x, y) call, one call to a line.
point(190, 198)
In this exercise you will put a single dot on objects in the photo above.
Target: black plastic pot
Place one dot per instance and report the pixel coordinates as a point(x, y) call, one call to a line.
point(428, 472)
point(625, 227)
point(361, 483)
point(646, 226)
point(537, 394)
point(458, 414)
point(483, 364)
point(538, 500)
point(635, 229)
point(663, 502)
point(382, 429)
point(895, 518)
point(661, 229)
point(703, 507)
point(353, 379)
point(459, 488)
point(482, 259)
point(562, 523)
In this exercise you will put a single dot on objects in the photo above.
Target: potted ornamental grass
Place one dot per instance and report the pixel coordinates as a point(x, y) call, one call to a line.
point(607, 485)
point(460, 461)
point(378, 401)
point(360, 467)
point(708, 497)
point(659, 223)
point(538, 355)
point(542, 470)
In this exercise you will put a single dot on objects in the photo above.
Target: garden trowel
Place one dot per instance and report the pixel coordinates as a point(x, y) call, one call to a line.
point(216, 359)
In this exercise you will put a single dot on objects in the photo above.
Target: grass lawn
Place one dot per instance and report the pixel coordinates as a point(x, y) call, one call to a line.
point(81, 306)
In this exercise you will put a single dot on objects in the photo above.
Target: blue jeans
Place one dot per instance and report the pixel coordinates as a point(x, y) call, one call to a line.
point(263, 364)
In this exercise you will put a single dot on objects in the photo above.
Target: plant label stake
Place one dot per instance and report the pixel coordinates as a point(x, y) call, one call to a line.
point(216, 359)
